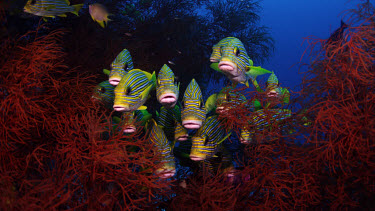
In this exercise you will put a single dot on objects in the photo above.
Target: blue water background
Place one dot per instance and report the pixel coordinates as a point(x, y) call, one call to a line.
point(290, 22)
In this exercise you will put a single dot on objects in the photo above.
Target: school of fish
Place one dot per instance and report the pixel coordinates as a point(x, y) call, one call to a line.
point(192, 120)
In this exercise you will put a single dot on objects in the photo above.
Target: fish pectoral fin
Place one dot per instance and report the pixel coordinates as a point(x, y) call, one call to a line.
point(116, 119)
point(107, 72)
point(210, 103)
point(101, 23)
point(215, 66)
point(63, 15)
point(254, 71)
point(50, 7)
point(142, 108)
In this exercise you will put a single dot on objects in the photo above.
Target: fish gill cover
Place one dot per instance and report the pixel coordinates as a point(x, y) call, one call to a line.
point(61, 150)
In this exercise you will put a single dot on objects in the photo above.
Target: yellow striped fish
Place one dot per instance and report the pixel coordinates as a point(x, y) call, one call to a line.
point(167, 89)
point(120, 66)
point(51, 8)
point(264, 120)
point(167, 118)
point(273, 89)
point(229, 56)
point(104, 93)
point(193, 109)
point(158, 138)
point(133, 90)
point(207, 140)
point(180, 133)
point(130, 120)
point(225, 100)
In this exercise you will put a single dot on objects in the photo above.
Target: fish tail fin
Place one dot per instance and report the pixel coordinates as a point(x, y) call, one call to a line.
point(77, 7)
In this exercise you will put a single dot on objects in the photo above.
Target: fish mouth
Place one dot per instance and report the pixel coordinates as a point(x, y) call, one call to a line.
point(166, 173)
point(245, 141)
point(213, 60)
point(272, 93)
point(221, 109)
point(196, 158)
point(227, 66)
point(169, 99)
point(183, 138)
point(121, 108)
point(129, 129)
point(114, 81)
point(95, 98)
point(192, 124)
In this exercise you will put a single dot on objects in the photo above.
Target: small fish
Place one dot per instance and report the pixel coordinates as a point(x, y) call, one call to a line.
point(99, 14)
point(273, 89)
point(120, 66)
point(246, 136)
point(133, 90)
point(229, 56)
point(51, 8)
point(158, 137)
point(193, 111)
point(133, 119)
point(207, 139)
point(263, 120)
point(128, 34)
point(104, 92)
point(225, 100)
point(172, 63)
point(167, 88)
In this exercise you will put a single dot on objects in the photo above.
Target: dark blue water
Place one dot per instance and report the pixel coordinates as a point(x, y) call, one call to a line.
point(290, 22)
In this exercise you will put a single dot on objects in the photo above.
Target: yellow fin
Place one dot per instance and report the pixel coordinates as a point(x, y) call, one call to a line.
point(49, 7)
point(63, 15)
point(101, 23)
point(142, 108)
point(210, 102)
point(77, 7)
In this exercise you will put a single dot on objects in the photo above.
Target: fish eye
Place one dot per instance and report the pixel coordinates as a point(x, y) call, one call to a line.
point(201, 104)
point(33, 1)
point(227, 97)
point(236, 51)
point(126, 66)
point(101, 89)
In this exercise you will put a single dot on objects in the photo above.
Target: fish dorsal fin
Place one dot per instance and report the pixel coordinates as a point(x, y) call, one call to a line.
point(211, 103)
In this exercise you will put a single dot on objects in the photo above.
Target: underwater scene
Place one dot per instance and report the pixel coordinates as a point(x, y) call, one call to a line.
point(186, 105)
